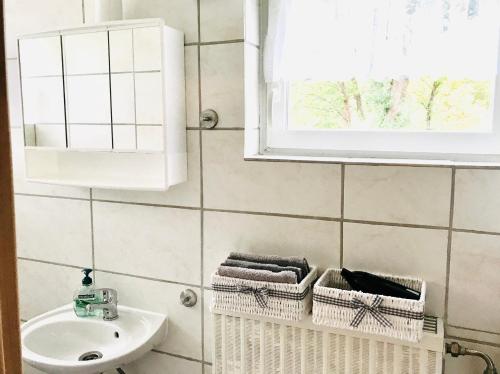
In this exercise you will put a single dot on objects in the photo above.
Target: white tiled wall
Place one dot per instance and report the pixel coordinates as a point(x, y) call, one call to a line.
point(152, 245)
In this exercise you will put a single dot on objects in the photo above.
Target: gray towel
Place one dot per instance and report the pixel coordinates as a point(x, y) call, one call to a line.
point(299, 262)
point(258, 275)
point(259, 266)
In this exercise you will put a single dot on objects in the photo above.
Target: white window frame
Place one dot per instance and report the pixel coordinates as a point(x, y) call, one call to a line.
point(380, 146)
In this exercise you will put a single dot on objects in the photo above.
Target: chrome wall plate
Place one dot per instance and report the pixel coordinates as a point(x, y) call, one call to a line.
point(209, 119)
point(188, 298)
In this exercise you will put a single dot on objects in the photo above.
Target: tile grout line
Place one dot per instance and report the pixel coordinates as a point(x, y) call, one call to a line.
point(448, 248)
point(394, 224)
point(479, 232)
point(475, 330)
point(147, 204)
point(181, 357)
point(109, 272)
point(216, 129)
point(200, 43)
point(270, 214)
point(202, 215)
point(48, 262)
point(83, 11)
point(342, 199)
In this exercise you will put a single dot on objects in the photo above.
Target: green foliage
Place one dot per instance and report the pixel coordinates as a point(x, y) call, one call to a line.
point(430, 104)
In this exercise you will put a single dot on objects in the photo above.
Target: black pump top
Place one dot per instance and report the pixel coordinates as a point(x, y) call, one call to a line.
point(86, 281)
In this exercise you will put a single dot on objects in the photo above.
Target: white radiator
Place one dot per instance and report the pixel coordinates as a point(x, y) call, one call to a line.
point(246, 345)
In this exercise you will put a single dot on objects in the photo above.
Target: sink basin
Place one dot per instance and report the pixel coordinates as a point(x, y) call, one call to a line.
point(61, 342)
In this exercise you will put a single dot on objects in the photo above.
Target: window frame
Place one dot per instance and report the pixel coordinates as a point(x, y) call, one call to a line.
point(278, 142)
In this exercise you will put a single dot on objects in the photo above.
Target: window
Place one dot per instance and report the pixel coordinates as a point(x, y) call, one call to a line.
point(382, 78)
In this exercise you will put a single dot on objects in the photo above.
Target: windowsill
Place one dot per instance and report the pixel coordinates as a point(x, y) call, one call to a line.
point(372, 161)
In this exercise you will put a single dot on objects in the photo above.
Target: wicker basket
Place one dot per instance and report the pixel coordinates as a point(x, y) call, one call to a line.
point(336, 305)
point(274, 300)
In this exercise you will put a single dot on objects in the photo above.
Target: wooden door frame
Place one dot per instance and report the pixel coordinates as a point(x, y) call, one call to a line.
point(10, 343)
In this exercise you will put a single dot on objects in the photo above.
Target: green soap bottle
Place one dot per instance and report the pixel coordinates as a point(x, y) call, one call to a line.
point(84, 296)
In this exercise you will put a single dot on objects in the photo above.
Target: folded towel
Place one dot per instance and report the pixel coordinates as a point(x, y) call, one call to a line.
point(258, 275)
point(299, 262)
point(258, 266)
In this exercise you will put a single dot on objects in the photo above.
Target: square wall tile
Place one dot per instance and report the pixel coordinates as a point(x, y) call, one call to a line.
point(474, 275)
point(231, 183)
point(14, 94)
point(43, 100)
point(86, 53)
point(124, 137)
point(43, 287)
point(56, 230)
point(49, 136)
point(121, 53)
point(147, 48)
point(318, 241)
point(148, 98)
point(222, 82)
point(414, 195)
point(184, 194)
point(40, 56)
point(221, 20)
point(395, 250)
point(207, 369)
point(179, 14)
point(87, 99)
point(184, 324)
point(192, 94)
point(150, 138)
point(32, 16)
point(91, 136)
point(123, 98)
point(160, 363)
point(162, 243)
point(470, 364)
point(23, 186)
point(477, 201)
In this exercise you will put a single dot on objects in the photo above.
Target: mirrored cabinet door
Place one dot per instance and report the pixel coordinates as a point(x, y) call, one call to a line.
point(43, 91)
point(88, 107)
point(122, 89)
point(148, 88)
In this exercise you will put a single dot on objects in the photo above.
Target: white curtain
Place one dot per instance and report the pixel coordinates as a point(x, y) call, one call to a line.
point(378, 39)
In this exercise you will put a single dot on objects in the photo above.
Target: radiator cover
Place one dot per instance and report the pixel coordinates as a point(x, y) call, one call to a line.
point(246, 345)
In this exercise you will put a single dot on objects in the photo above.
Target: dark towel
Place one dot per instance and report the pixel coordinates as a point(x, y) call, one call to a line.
point(259, 266)
point(258, 275)
point(301, 263)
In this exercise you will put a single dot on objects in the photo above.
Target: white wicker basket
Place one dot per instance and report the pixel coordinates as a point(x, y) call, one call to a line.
point(274, 300)
point(336, 305)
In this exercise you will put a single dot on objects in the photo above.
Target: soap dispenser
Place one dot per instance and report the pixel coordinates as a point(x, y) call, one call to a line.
point(84, 296)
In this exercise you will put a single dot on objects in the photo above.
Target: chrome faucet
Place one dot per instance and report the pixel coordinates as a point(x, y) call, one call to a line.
point(109, 305)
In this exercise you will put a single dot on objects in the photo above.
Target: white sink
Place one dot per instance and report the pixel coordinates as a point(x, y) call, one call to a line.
point(54, 342)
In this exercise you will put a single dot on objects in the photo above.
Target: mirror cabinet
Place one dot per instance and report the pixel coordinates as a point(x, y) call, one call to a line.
point(103, 106)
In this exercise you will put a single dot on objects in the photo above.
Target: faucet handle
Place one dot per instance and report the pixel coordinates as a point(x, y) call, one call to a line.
point(109, 295)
